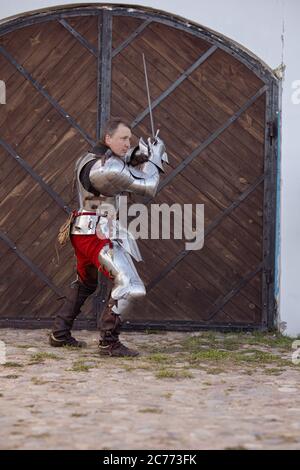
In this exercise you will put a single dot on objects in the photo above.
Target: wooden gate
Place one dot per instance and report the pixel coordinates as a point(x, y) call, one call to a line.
point(66, 71)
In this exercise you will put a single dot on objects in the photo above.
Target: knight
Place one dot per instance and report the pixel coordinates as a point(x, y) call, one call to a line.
point(111, 169)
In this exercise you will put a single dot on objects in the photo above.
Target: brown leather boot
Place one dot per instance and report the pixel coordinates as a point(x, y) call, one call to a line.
point(61, 332)
point(69, 340)
point(115, 349)
point(109, 344)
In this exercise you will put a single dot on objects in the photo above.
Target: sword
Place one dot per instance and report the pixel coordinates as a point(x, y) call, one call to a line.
point(149, 99)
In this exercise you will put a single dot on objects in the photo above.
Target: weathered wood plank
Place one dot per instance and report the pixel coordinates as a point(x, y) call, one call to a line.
point(79, 24)
point(122, 28)
point(234, 82)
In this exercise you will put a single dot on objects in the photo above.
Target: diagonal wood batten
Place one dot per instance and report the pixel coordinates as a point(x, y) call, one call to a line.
point(174, 85)
point(208, 141)
point(212, 226)
point(67, 71)
point(31, 265)
point(46, 95)
point(36, 177)
point(130, 38)
point(79, 37)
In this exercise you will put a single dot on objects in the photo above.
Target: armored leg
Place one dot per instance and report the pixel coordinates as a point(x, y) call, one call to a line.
point(127, 286)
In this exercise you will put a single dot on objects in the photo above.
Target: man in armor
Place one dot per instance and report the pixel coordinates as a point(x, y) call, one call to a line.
point(103, 174)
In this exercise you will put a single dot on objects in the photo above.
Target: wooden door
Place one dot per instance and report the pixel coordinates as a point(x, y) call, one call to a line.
point(66, 71)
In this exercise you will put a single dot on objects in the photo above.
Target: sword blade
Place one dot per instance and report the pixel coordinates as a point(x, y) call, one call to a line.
point(149, 98)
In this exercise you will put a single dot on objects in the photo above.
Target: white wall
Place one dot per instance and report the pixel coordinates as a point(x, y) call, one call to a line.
point(269, 29)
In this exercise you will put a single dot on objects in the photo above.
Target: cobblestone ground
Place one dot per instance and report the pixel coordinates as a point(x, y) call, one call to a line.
point(185, 391)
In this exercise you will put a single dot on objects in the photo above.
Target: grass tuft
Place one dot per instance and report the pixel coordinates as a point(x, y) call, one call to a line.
point(80, 366)
point(39, 358)
point(150, 410)
point(173, 374)
point(12, 364)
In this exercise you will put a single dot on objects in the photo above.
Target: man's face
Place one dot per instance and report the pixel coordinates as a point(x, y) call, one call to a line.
point(119, 142)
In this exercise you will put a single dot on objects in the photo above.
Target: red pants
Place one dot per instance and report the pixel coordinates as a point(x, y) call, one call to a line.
point(87, 248)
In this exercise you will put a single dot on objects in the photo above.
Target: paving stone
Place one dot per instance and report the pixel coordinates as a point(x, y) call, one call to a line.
point(121, 404)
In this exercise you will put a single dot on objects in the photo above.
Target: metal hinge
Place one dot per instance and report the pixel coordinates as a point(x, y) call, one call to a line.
point(269, 276)
point(272, 131)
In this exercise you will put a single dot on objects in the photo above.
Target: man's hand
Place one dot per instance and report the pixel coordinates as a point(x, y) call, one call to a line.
point(153, 151)
point(138, 159)
point(140, 154)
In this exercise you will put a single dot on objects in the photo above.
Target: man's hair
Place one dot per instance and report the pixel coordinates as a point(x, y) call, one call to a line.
point(111, 126)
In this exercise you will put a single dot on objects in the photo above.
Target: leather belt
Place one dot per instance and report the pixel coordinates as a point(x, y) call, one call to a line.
point(78, 214)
